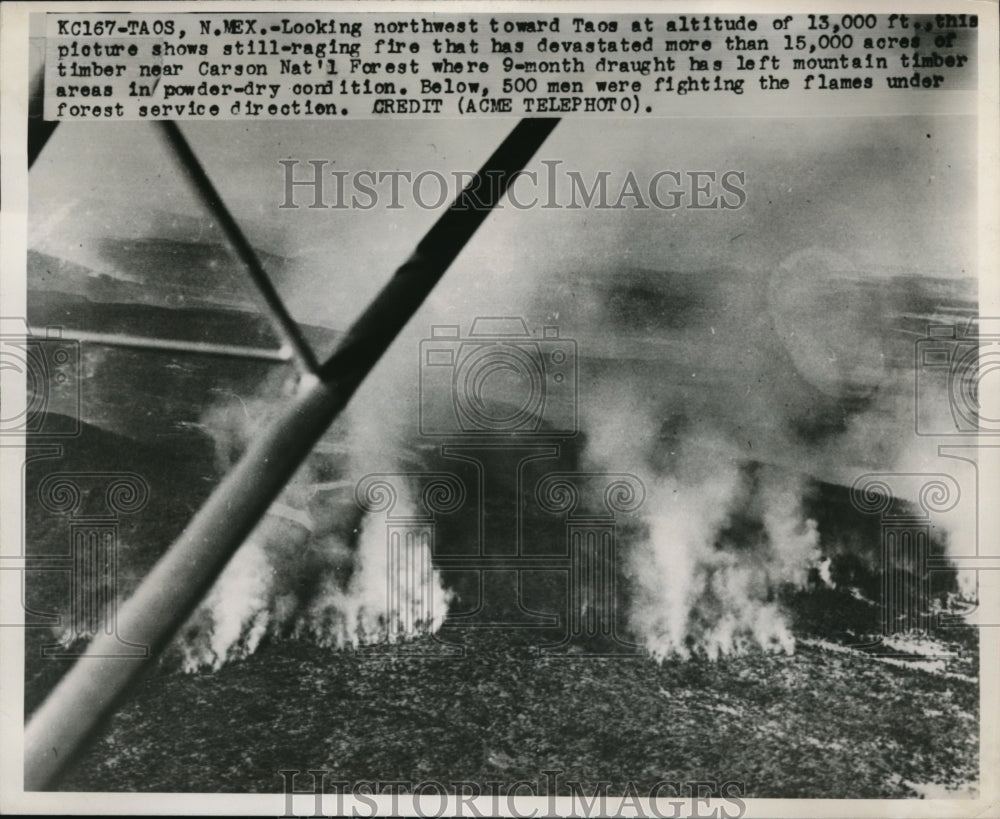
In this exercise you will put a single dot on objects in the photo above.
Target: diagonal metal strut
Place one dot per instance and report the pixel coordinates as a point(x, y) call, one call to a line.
point(287, 329)
point(294, 346)
point(93, 688)
point(39, 129)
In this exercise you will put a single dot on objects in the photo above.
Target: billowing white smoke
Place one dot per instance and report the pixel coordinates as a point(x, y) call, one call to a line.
point(236, 613)
point(724, 531)
point(380, 603)
point(317, 567)
point(720, 545)
point(752, 402)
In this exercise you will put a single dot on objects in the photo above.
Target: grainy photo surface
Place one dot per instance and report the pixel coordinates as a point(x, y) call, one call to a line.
point(515, 410)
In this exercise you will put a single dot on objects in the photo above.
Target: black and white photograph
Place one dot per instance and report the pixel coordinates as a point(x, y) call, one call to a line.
point(481, 409)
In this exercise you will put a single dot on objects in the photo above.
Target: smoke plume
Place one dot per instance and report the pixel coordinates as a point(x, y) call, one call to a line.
point(729, 395)
point(318, 566)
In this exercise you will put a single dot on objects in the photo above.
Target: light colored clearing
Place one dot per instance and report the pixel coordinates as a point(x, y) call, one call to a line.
point(923, 646)
point(931, 790)
point(935, 667)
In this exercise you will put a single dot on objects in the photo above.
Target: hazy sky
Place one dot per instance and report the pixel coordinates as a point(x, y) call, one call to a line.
point(875, 195)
